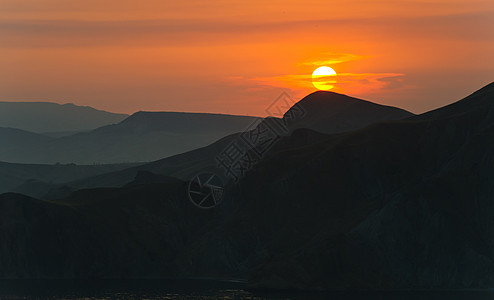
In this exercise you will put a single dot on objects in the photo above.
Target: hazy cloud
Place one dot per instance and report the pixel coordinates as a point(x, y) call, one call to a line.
point(63, 33)
point(333, 58)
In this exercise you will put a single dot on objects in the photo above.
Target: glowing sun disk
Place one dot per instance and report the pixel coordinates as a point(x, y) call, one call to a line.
point(323, 78)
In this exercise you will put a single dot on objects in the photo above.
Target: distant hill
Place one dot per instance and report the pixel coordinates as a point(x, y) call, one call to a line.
point(34, 179)
point(18, 142)
point(41, 117)
point(13, 137)
point(142, 137)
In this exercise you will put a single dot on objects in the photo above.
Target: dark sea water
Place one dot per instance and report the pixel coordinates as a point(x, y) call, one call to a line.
point(197, 289)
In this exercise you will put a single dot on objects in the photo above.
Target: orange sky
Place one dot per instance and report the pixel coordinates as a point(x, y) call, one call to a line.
point(238, 56)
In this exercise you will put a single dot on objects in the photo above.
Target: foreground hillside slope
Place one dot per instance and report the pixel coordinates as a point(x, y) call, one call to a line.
point(397, 205)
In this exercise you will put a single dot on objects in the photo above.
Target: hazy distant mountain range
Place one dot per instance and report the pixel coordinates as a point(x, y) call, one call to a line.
point(145, 135)
point(43, 117)
point(149, 136)
point(142, 137)
point(394, 204)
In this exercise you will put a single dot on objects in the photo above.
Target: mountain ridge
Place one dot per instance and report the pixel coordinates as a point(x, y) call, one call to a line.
point(182, 165)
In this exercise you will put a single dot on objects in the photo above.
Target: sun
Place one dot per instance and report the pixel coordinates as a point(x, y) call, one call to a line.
point(323, 78)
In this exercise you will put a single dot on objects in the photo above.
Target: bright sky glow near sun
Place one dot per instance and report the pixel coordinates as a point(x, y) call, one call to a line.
point(238, 56)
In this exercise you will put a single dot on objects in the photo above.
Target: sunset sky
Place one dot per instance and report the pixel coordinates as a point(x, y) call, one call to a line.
point(236, 57)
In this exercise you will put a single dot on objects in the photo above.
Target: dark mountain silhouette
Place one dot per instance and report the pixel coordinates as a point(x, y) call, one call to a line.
point(396, 205)
point(144, 136)
point(102, 233)
point(401, 204)
point(330, 112)
point(41, 117)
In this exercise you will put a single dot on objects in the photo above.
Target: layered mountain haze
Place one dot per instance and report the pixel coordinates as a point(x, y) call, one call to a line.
point(387, 204)
point(142, 137)
point(329, 113)
point(149, 136)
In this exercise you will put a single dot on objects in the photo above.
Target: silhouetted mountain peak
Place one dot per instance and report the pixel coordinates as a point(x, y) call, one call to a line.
point(330, 112)
point(325, 98)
